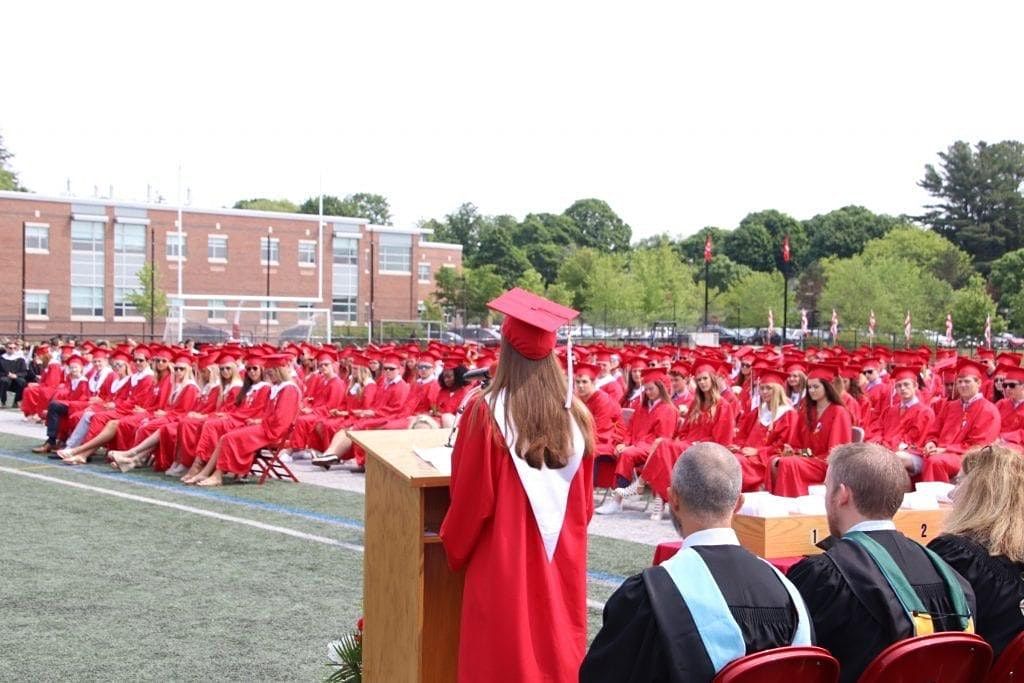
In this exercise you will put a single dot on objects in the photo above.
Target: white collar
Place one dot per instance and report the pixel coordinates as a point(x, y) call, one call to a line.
point(716, 536)
point(118, 383)
point(912, 402)
point(137, 377)
point(654, 403)
point(972, 399)
point(765, 416)
point(275, 389)
point(601, 381)
point(13, 356)
point(873, 525)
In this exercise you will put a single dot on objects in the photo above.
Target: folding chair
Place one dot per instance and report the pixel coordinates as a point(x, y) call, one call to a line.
point(1010, 665)
point(267, 463)
point(946, 657)
point(803, 664)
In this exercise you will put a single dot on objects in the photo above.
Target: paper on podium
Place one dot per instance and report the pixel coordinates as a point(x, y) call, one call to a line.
point(440, 457)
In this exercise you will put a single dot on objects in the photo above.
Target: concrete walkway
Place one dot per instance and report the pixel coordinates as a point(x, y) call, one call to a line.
point(632, 524)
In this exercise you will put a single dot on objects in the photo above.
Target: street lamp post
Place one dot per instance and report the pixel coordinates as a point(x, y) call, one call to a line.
point(270, 234)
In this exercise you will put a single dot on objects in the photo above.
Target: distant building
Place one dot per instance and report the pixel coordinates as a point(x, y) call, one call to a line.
point(80, 257)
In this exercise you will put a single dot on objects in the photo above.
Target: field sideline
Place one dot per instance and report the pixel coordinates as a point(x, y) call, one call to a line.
point(111, 577)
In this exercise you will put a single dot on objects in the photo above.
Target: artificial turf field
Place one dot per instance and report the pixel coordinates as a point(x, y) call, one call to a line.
point(107, 576)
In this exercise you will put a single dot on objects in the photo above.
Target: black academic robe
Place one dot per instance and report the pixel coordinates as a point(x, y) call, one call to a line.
point(855, 628)
point(17, 366)
point(998, 587)
point(633, 646)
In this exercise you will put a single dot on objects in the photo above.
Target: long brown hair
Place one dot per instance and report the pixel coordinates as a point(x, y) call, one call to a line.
point(988, 504)
point(535, 402)
point(705, 402)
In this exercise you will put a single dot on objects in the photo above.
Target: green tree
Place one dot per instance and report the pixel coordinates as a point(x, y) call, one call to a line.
point(559, 293)
point(929, 250)
point(372, 207)
point(667, 286)
point(1007, 275)
point(757, 242)
point(497, 250)
point(432, 310)
point(888, 285)
point(971, 305)
point(482, 285)
point(8, 178)
point(691, 248)
point(531, 281)
point(264, 204)
point(574, 272)
point(980, 207)
point(149, 299)
point(598, 226)
point(844, 232)
point(747, 301)
point(613, 296)
point(462, 226)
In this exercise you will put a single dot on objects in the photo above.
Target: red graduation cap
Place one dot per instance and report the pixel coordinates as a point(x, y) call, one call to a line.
point(531, 321)
point(279, 360)
point(586, 370)
point(772, 376)
point(655, 375)
point(901, 372)
point(966, 367)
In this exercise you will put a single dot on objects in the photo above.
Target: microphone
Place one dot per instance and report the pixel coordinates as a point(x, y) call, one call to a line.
point(479, 373)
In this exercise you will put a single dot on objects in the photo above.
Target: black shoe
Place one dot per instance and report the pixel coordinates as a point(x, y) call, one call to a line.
point(325, 461)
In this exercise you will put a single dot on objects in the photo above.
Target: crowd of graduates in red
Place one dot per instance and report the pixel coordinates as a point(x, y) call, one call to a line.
point(201, 414)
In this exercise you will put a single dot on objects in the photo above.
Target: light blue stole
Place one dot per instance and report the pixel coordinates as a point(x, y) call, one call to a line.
point(716, 626)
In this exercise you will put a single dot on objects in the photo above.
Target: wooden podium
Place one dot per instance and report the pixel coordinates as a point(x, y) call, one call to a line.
point(412, 602)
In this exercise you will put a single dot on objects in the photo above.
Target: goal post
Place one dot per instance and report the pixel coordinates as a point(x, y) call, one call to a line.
point(255, 323)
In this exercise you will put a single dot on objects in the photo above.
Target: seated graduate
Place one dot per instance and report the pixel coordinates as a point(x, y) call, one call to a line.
point(984, 540)
point(656, 623)
point(854, 590)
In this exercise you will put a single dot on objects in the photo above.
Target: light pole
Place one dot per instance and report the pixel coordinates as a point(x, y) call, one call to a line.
point(270, 234)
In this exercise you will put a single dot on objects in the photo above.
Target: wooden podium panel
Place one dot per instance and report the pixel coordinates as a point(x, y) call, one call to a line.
point(797, 535)
point(412, 602)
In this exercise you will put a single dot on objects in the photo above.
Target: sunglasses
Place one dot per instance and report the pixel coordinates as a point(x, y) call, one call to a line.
point(178, 368)
point(139, 360)
point(226, 368)
point(869, 372)
point(160, 360)
point(1011, 385)
point(389, 368)
point(252, 368)
point(424, 367)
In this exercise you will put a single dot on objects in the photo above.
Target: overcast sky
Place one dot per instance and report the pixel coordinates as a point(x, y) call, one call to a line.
point(679, 115)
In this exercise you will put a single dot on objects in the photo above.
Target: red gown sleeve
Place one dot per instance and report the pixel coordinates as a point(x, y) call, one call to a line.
point(473, 484)
point(280, 418)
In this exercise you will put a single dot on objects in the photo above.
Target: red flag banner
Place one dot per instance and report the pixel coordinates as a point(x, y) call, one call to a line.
point(707, 249)
point(785, 249)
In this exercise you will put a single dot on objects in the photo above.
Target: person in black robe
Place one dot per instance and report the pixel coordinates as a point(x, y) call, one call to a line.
point(855, 612)
point(13, 374)
point(649, 633)
point(985, 540)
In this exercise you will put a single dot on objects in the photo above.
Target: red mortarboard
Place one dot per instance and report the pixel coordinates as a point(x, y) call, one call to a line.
point(708, 365)
point(183, 360)
point(984, 354)
point(76, 360)
point(654, 375)
point(254, 360)
point(770, 376)
point(586, 370)
point(207, 360)
point(278, 360)
point(966, 367)
point(531, 321)
point(119, 356)
point(1015, 373)
point(391, 359)
point(820, 371)
point(325, 356)
point(100, 353)
point(795, 366)
point(902, 372)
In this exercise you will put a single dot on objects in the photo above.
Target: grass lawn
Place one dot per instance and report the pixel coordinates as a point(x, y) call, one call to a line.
point(94, 586)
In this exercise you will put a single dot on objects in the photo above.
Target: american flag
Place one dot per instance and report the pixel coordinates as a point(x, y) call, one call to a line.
point(771, 325)
point(949, 328)
point(871, 324)
point(833, 328)
point(988, 331)
point(803, 321)
point(707, 249)
point(907, 327)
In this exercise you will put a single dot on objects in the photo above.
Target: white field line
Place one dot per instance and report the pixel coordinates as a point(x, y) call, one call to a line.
point(188, 508)
point(592, 604)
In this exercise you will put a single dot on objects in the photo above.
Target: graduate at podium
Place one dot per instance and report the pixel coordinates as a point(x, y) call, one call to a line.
point(521, 499)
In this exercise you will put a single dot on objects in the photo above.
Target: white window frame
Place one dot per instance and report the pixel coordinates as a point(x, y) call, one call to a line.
point(97, 260)
point(419, 273)
point(170, 241)
point(271, 307)
point(37, 250)
point(383, 250)
point(46, 301)
point(222, 241)
point(274, 242)
point(216, 306)
point(309, 245)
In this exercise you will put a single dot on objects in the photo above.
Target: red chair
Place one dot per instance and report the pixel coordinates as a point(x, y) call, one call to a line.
point(798, 664)
point(1010, 665)
point(947, 657)
point(266, 463)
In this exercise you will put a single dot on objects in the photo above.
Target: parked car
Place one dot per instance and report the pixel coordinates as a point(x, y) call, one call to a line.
point(725, 335)
point(481, 335)
point(1008, 339)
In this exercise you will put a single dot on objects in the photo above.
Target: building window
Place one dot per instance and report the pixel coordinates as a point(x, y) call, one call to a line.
point(268, 312)
point(173, 246)
point(343, 309)
point(216, 312)
point(87, 268)
point(217, 248)
point(129, 257)
point(305, 313)
point(345, 251)
point(37, 304)
point(395, 253)
point(307, 253)
point(275, 250)
point(344, 279)
point(424, 272)
point(37, 239)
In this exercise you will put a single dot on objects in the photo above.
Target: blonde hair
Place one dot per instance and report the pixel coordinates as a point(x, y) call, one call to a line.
point(778, 399)
point(988, 505)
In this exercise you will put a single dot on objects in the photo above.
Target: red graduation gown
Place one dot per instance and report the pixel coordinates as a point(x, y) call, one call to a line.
point(828, 430)
point(958, 431)
point(524, 618)
point(897, 425)
point(607, 416)
point(646, 425)
point(768, 441)
point(1011, 420)
point(719, 428)
point(238, 448)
